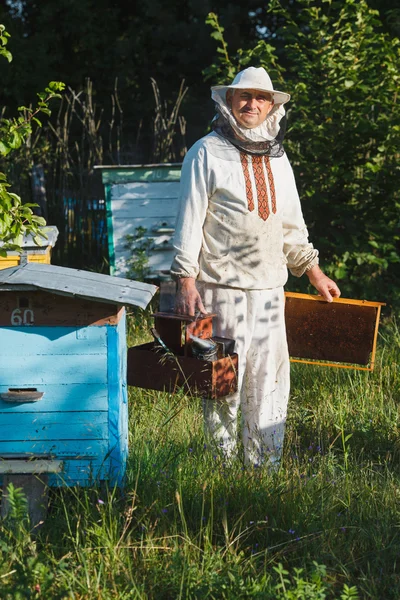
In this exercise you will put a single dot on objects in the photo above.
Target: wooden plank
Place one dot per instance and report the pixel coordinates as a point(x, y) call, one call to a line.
point(118, 402)
point(126, 227)
point(160, 243)
point(46, 308)
point(63, 397)
point(144, 191)
point(26, 371)
point(40, 257)
point(150, 369)
point(84, 449)
point(159, 172)
point(30, 466)
point(154, 207)
point(315, 298)
point(9, 261)
point(52, 341)
point(158, 262)
point(53, 426)
point(81, 472)
point(150, 223)
point(74, 472)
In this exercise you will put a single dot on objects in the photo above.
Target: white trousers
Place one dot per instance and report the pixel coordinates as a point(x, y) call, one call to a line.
point(255, 319)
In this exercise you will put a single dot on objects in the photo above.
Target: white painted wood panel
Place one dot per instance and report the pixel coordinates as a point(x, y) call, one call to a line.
point(146, 207)
point(141, 190)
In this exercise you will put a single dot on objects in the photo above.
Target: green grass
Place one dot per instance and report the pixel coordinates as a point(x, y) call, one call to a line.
point(187, 525)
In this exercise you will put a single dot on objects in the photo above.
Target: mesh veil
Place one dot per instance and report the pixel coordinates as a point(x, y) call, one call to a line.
point(272, 148)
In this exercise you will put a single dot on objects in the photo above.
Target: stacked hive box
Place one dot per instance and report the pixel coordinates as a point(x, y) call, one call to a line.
point(63, 371)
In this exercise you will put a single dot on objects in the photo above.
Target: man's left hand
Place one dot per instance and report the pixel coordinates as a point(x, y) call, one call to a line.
point(325, 286)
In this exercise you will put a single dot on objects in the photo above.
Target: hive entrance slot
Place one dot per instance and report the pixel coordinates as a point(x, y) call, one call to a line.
point(22, 395)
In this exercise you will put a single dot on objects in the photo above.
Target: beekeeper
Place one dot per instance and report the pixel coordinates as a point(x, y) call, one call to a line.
point(239, 228)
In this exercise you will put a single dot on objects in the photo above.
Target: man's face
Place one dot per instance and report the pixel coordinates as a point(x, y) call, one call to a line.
point(250, 107)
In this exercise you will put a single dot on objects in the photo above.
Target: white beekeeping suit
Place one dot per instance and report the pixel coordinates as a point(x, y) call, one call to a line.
point(239, 228)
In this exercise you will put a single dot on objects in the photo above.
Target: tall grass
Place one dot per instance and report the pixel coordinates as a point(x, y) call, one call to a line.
point(189, 525)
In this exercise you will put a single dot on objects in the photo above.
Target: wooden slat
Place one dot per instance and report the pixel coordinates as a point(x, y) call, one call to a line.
point(118, 401)
point(53, 426)
point(80, 472)
point(316, 298)
point(157, 172)
point(143, 191)
point(63, 397)
point(83, 449)
point(154, 207)
point(51, 309)
point(151, 224)
point(52, 341)
point(149, 369)
point(29, 372)
point(159, 261)
point(18, 466)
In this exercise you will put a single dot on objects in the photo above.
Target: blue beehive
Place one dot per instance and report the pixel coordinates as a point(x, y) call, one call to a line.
point(63, 394)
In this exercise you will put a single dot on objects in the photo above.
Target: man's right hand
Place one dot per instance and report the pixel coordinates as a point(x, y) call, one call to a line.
point(188, 300)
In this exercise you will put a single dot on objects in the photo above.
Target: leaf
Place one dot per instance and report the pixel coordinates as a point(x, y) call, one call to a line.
point(217, 35)
point(3, 148)
point(38, 220)
point(6, 54)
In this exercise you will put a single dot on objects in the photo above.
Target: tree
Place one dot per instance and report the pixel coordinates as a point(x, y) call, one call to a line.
point(16, 218)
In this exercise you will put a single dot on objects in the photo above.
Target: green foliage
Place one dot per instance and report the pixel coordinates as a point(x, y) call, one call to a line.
point(18, 504)
point(225, 68)
point(15, 538)
point(17, 219)
point(343, 136)
point(4, 35)
point(189, 525)
point(139, 246)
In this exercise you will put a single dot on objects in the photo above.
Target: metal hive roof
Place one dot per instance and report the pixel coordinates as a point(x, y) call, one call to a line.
point(76, 282)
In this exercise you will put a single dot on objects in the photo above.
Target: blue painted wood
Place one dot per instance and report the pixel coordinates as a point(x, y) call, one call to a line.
point(81, 472)
point(54, 426)
point(27, 341)
point(62, 398)
point(37, 370)
point(58, 448)
point(118, 407)
point(83, 415)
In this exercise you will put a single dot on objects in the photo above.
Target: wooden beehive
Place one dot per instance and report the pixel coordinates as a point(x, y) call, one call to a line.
point(143, 196)
point(31, 252)
point(149, 366)
point(63, 394)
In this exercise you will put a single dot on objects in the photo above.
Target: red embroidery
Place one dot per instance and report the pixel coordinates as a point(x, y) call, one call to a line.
point(261, 186)
point(249, 189)
point(271, 183)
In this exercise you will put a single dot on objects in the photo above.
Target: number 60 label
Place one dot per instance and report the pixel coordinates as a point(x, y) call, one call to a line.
point(23, 316)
